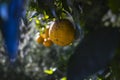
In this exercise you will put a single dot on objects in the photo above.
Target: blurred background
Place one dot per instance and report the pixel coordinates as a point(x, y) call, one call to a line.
point(37, 62)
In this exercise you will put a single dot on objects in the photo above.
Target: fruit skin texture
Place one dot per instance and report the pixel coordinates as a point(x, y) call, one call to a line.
point(62, 32)
point(93, 54)
point(46, 33)
point(47, 42)
point(39, 39)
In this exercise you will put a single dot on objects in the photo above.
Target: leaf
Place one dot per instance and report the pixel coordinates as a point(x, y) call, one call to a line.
point(63, 78)
point(37, 21)
point(48, 72)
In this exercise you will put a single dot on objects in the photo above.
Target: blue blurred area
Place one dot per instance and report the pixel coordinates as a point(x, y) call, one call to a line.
point(11, 14)
point(4, 11)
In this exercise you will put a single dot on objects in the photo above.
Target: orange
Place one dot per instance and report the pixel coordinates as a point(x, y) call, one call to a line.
point(39, 39)
point(43, 35)
point(46, 32)
point(62, 32)
point(47, 42)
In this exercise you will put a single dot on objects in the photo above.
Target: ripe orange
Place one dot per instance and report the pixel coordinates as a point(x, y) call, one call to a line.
point(62, 32)
point(43, 35)
point(47, 42)
point(46, 32)
point(39, 39)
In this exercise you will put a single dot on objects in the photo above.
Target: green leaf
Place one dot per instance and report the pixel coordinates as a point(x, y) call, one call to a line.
point(48, 72)
point(63, 78)
point(37, 21)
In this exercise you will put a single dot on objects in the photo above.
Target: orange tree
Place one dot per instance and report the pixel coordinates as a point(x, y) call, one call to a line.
point(35, 61)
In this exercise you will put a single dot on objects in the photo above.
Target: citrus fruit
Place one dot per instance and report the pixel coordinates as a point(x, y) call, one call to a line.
point(46, 32)
point(39, 39)
point(47, 42)
point(43, 35)
point(62, 32)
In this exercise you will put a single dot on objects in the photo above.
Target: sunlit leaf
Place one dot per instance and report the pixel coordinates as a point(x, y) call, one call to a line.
point(46, 16)
point(63, 78)
point(37, 21)
point(48, 71)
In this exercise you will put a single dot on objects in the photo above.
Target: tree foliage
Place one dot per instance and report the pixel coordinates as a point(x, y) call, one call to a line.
point(36, 62)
